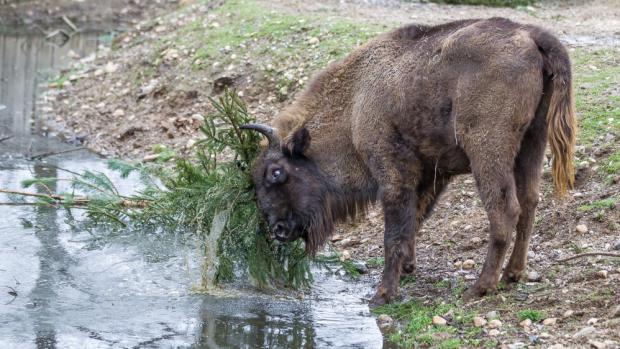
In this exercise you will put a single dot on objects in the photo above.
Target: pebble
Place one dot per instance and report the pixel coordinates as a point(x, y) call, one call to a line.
point(568, 313)
point(617, 245)
point(313, 41)
point(110, 67)
point(476, 240)
point(586, 331)
point(525, 323)
point(516, 345)
point(336, 238)
point(468, 264)
point(118, 113)
point(602, 274)
point(150, 157)
point(360, 267)
point(592, 321)
point(385, 321)
point(581, 228)
point(495, 323)
point(439, 321)
point(479, 321)
point(345, 256)
point(550, 321)
point(458, 264)
point(494, 332)
point(533, 276)
point(557, 346)
point(597, 344)
point(615, 312)
point(492, 315)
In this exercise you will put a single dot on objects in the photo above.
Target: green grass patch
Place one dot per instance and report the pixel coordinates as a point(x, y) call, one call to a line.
point(417, 327)
point(375, 262)
point(534, 315)
point(604, 204)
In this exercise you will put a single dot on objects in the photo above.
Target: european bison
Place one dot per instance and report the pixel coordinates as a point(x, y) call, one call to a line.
point(400, 116)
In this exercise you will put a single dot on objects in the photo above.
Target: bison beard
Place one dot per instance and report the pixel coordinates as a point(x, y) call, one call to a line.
point(403, 114)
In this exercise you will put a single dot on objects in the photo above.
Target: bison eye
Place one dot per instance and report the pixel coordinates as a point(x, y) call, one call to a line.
point(275, 174)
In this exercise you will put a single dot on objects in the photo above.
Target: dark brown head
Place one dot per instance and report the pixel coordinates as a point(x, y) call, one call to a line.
point(292, 192)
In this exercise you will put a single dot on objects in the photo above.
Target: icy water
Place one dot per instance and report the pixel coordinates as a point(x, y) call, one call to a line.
point(62, 286)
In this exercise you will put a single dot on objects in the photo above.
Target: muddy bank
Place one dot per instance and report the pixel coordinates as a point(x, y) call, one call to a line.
point(43, 15)
point(153, 87)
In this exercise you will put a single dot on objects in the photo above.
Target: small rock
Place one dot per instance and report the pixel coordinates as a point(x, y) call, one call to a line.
point(525, 323)
point(468, 264)
point(615, 312)
point(597, 344)
point(495, 323)
point(360, 267)
point(581, 229)
point(494, 332)
point(550, 321)
point(349, 242)
point(313, 41)
point(439, 321)
point(345, 256)
point(190, 143)
point(617, 245)
point(479, 321)
point(476, 240)
point(557, 346)
point(592, 321)
point(384, 318)
point(533, 276)
point(492, 315)
point(516, 345)
point(118, 113)
point(110, 67)
point(545, 335)
point(458, 264)
point(568, 313)
point(150, 157)
point(586, 331)
point(336, 238)
point(385, 322)
point(602, 274)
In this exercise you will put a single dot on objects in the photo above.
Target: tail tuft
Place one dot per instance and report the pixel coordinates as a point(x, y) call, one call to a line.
point(562, 125)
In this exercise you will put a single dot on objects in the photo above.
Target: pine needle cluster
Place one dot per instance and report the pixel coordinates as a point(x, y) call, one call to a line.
point(210, 195)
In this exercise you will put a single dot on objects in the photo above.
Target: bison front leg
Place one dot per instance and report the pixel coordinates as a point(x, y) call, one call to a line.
point(399, 218)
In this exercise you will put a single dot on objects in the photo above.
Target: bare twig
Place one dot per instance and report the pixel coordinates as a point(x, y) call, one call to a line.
point(5, 138)
point(13, 293)
point(75, 201)
point(589, 254)
point(50, 153)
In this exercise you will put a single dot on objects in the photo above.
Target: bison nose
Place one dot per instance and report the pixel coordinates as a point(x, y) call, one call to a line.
point(279, 229)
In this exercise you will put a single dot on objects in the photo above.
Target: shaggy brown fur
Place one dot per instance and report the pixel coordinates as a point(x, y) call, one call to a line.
point(398, 117)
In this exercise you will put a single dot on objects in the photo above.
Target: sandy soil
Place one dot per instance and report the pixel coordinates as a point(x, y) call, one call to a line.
point(102, 108)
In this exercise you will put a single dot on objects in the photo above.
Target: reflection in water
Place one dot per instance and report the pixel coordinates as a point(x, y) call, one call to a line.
point(25, 62)
point(53, 263)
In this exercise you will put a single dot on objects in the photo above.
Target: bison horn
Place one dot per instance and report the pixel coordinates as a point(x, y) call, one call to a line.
point(268, 131)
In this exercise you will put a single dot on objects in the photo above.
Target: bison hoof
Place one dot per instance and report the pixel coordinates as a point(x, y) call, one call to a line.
point(476, 292)
point(510, 278)
point(380, 298)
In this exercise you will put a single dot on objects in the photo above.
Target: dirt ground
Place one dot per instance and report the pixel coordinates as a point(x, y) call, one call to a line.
point(44, 15)
point(112, 106)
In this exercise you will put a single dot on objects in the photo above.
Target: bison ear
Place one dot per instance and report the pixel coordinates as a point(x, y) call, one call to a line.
point(296, 144)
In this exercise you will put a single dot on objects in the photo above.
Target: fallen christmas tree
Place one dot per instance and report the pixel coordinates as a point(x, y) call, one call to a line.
point(210, 195)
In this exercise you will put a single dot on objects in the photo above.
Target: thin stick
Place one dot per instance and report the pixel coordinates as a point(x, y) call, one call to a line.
point(76, 201)
point(44, 155)
point(18, 204)
point(589, 254)
point(6, 138)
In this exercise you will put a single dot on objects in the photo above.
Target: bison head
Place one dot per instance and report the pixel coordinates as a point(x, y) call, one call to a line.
point(292, 192)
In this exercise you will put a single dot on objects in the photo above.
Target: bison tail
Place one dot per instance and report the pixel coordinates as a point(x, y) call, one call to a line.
point(562, 125)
